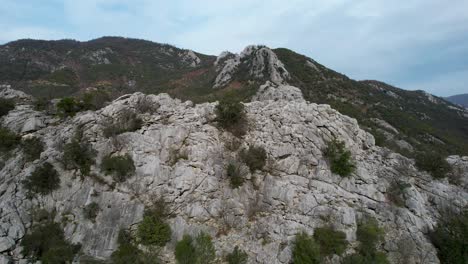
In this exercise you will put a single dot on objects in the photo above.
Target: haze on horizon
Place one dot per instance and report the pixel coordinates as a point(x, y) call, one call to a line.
point(415, 44)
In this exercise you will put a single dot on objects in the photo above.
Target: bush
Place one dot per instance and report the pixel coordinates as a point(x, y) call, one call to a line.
point(235, 175)
point(6, 105)
point(68, 106)
point(450, 238)
point(339, 157)
point(254, 157)
point(369, 234)
point(8, 139)
point(230, 115)
point(94, 100)
point(198, 251)
point(434, 164)
point(43, 180)
point(127, 252)
point(79, 154)
point(46, 242)
point(127, 122)
point(237, 256)
point(120, 167)
point(91, 211)
point(32, 148)
point(153, 230)
point(306, 250)
point(396, 193)
point(330, 241)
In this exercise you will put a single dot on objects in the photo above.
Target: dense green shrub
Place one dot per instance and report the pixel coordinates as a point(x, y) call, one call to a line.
point(128, 252)
point(369, 234)
point(6, 105)
point(230, 115)
point(254, 157)
point(450, 238)
point(43, 180)
point(306, 250)
point(79, 154)
point(433, 163)
point(235, 175)
point(153, 230)
point(198, 251)
point(339, 157)
point(127, 122)
point(42, 104)
point(91, 211)
point(8, 139)
point(94, 100)
point(237, 256)
point(330, 241)
point(120, 167)
point(32, 148)
point(46, 242)
point(68, 106)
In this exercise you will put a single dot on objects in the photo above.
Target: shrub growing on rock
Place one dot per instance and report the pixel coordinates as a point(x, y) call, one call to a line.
point(339, 157)
point(79, 155)
point(230, 115)
point(120, 167)
point(8, 139)
point(237, 256)
point(306, 250)
point(235, 175)
point(434, 164)
point(91, 211)
point(153, 230)
point(330, 241)
point(198, 251)
point(6, 105)
point(450, 238)
point(128, 252)
point(126, 122)
point(254, 157)
point(396, 193)
point(43, 180)
point(32, 148)
point(46, 242)
point(68, 106)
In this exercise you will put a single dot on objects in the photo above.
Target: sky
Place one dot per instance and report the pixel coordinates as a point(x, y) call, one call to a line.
point(412, 44)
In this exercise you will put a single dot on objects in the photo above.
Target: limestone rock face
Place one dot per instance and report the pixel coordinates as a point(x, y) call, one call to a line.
point(295, 191)
point(262, 64)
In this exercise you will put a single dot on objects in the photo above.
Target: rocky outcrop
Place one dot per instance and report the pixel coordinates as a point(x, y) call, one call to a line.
point(259, 62)
point(296, 190)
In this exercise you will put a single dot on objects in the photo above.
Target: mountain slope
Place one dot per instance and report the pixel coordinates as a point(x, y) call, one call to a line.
point(460, 99)
point(405, 121)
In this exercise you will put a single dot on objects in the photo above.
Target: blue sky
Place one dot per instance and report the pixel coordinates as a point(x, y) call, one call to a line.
point(412, 44)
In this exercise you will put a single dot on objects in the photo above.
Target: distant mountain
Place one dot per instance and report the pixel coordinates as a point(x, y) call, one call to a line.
point(460, 99)
point(404, 121)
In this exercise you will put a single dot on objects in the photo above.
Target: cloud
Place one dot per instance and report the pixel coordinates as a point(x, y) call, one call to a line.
point(397, 41)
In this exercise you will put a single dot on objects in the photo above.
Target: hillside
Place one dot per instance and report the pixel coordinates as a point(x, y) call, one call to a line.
point(460, 99)
point(405, 121)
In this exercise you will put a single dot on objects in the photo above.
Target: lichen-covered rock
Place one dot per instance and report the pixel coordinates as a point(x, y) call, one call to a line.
point(295, 191)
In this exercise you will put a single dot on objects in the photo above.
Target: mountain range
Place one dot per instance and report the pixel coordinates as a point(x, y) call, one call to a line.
point(459, 99)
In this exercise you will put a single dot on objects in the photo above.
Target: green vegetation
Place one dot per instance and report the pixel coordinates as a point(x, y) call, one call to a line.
point(43, 180)
point(237, 256)
point(330, 241)
point(128, 252)
point(120, 167)
point(6, 105)
point(68, 106)
point(450, 238)
point(255, 158)
point(396, 193)
point(32, 148)
point(127, 122)
point(91, 211)
point(153, 230)
point(339, 157)
point(433, 163)
point(94, 100)
point(198, 251)
point(79, 154)
point(230, 115)
point(306, 250)
point(8, 140)
point(235, 175)
point(46, 242)
point(63, 76)
point(369, 234)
